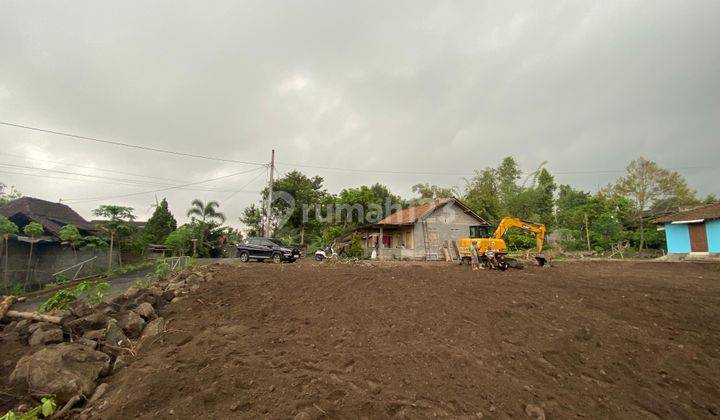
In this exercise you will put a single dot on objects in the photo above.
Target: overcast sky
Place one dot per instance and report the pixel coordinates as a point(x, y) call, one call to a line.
point(441, 88)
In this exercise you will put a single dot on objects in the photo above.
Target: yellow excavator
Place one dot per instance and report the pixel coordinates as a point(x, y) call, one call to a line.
point(498, 243)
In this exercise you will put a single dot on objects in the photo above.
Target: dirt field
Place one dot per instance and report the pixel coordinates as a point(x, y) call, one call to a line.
point(611, 340)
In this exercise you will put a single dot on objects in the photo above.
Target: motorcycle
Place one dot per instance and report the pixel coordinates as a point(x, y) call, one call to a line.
point(328, 252)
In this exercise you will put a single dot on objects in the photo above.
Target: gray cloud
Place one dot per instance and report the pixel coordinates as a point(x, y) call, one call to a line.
point(413, 86)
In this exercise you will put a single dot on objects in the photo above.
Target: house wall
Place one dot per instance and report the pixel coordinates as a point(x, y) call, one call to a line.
point(48, 258)
point(446, 223)
point(712, 228)
point(678, 238)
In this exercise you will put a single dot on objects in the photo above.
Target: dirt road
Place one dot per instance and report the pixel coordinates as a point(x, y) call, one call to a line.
point(630, 340)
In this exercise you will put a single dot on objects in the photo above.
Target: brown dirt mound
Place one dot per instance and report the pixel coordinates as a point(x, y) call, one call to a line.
point(625, 340)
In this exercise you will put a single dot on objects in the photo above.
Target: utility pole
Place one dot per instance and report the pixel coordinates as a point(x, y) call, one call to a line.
point(268, 204)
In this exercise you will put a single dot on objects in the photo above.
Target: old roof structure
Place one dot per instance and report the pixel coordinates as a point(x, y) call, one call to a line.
point(411, 215)
point(707, 212)
point(52, 216)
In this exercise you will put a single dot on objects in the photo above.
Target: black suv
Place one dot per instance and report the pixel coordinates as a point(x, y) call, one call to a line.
point(262, 249)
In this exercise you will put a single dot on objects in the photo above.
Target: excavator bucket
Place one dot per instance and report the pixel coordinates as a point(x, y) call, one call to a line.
point(541, 260)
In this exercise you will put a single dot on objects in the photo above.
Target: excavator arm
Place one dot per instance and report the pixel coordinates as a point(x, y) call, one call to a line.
point(537, 229)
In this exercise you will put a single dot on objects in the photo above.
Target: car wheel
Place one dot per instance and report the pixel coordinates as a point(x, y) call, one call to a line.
point(244, 257)
point(277, 258)
point(319, 257)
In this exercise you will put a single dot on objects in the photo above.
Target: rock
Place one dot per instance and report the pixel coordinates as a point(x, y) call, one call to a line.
point(41, 326)
point(193, 279)
point(96, 335)
point(168, 295)
point(80, 308)
point(535, 412)
point(22, 326)
point(178, 299)
point(132, 324)
point(87, 342)
point(153, 328)
point(115, 336)
point(155, 291)
point(120, 362)
point(99, 392)
point(131, 293)
point(43, 336)
point(374, 387)
point(303, 415)
point(93, 321)
point(175, 286)
point(146, 311)
point(63, 370)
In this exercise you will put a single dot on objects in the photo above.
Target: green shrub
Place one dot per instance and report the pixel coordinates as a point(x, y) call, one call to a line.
point(46, 409)
point(92, 291)
point(355, 249)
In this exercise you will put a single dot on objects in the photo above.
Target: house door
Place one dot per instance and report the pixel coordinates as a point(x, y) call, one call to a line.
point(698, 237)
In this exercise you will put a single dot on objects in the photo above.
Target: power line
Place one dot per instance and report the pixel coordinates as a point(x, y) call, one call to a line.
point(86, 200)
point(298, 165)
point(243, 188)
point(131, 181)
point(88, 167)
point(134, 146)
point(46, 176)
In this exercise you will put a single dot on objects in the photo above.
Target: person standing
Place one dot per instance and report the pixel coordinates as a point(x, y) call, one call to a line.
point(474, 260)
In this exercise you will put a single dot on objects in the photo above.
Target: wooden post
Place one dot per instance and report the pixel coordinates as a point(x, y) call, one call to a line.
point(380, 240)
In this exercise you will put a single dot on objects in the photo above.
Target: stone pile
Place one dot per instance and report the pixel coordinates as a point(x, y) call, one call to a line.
point(94, 341)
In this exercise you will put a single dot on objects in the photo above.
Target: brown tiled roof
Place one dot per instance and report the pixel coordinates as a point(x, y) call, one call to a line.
point(710, 211)
point(52, 216)
point(411, 215)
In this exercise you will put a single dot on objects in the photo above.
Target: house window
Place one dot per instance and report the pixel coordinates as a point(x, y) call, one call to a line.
point(479, 231)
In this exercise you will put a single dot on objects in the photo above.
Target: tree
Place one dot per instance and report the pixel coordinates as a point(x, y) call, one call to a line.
point(8, 194)
point(545, 198)
point(206, 215)
point(508, 174)
point(180, 240)
point(482, 195)
point(433, 192)
point(365, 204)
point(711, 199)
point(646, 183)
point(117, 223)
point(160, 224)
point(252, 218)
point(301, 216)
point(34, 230)
point(70, 235)
point(7, 228)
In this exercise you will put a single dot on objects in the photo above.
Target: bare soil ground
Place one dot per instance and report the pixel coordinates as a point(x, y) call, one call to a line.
point(600, 339)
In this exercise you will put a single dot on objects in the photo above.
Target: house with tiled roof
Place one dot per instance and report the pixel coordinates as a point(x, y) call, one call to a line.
point(695, 231)
point(52, 216)
point(422, 232)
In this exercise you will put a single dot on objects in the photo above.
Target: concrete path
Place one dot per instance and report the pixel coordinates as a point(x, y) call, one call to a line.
point(118, 285)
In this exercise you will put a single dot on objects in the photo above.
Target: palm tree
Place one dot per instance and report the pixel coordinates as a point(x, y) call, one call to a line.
point(206, 214)
point(118, 222)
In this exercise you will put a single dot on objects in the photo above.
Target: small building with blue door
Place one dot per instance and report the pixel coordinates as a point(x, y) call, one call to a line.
point(695, 231)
